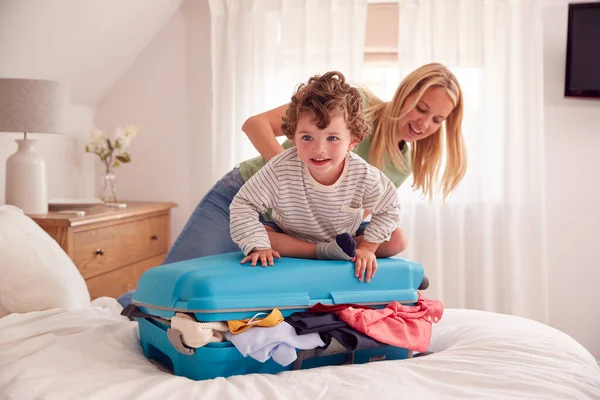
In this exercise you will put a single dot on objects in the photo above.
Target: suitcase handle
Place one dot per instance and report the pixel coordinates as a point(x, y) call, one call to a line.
point(132, 311)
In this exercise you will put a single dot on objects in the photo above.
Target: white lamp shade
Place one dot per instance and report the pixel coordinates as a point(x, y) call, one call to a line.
point(32, 105)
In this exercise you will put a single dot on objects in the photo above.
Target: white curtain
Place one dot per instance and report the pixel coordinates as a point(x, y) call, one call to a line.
point(486, 247)
point(262, 49)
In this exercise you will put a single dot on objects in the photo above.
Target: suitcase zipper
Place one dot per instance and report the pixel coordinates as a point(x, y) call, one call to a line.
point(233, 310)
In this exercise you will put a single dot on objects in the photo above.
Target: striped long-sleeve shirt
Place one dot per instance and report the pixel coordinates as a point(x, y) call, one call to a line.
point(307, 210)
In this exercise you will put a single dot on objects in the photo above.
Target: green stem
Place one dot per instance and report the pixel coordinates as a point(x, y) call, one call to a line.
point(109, 161)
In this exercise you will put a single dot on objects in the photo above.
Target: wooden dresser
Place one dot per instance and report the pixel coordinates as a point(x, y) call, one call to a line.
point(111, 246)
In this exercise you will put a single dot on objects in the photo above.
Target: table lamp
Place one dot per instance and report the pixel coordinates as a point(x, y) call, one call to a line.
point(30, 106)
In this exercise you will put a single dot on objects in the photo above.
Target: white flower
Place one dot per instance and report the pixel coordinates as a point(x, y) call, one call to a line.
point(126, 136)
point(97, 135)
point(112, 151)
point(98, 140)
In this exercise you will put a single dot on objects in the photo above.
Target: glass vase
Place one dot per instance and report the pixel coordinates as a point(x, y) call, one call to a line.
point(109, 188)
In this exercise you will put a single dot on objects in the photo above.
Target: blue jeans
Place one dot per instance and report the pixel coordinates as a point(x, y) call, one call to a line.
point(207, 230)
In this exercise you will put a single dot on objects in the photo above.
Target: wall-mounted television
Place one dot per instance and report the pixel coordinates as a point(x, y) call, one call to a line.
point(582, 78)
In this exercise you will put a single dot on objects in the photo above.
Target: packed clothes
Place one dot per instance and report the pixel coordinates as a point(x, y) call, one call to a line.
point(272, 319)
point(347, 326)
point(197, 334)
point(278, 342)
point(329, 326)
point(396, 324)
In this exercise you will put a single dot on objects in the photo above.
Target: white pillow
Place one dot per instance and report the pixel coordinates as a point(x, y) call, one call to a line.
point(35, 273)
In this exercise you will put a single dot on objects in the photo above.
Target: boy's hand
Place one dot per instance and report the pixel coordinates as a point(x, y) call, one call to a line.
point(265, 256)
point(365, 264)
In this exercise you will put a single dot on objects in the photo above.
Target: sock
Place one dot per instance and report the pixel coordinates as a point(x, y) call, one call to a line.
point(342, 248)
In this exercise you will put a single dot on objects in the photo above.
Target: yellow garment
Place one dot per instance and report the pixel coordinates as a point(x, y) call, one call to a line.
point(239, 326)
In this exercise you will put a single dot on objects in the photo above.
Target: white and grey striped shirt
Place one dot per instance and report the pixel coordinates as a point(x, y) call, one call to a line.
point(307, 210)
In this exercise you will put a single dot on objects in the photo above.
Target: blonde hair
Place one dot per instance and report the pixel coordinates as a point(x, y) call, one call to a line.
point(427, 153)
point(322, 98)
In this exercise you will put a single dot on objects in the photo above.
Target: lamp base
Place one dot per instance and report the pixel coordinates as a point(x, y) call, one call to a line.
point(26, 184)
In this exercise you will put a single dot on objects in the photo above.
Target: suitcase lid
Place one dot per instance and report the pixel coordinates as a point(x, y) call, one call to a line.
point(219, 288)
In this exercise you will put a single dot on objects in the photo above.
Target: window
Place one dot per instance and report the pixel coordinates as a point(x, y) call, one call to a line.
point(382, 76)
point(381, 40)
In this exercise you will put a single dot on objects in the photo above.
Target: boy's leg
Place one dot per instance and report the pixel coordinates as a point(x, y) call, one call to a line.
point(397, 244)
point(342, 248)
point(289, 246)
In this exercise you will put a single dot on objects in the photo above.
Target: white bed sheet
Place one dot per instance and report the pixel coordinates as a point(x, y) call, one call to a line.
point(95, 354)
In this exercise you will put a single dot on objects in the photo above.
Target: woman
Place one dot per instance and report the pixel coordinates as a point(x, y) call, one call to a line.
point(413, 133)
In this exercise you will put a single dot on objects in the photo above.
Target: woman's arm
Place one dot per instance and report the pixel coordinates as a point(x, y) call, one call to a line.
point(262, 130)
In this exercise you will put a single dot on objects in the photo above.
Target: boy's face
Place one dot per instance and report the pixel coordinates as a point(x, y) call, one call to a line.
point(323, 151)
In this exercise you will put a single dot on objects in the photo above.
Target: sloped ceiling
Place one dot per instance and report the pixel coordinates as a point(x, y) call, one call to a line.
point(87, 44)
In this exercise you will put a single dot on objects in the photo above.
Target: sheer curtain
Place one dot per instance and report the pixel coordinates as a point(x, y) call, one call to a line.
point(262, 49)
point(485, 248)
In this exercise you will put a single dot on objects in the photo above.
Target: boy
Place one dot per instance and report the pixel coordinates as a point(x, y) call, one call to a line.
point(319, 190)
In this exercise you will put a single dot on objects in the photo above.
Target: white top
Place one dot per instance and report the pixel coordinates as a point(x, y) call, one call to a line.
point(305, 209)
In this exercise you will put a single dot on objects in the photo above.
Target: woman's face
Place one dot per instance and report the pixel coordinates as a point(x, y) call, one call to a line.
point(426, 117)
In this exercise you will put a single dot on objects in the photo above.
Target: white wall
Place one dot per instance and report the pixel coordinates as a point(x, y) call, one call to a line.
point(86, 45)
point(573, 194)
point(167, 93)
point(69, 169)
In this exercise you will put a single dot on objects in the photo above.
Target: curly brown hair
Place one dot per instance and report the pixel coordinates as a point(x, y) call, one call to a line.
point(324, 97)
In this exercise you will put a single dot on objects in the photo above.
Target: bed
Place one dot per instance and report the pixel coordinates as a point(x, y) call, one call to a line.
point(95, 353)
point(55, 344)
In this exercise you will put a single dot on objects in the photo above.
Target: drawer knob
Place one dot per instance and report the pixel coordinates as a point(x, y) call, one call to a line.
point(100, 252)
point(154, 237)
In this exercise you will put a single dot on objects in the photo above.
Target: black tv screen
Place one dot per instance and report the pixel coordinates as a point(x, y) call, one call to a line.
point(583, 51)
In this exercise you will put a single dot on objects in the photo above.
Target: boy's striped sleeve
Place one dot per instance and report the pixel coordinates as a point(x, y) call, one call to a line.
point(256, 196)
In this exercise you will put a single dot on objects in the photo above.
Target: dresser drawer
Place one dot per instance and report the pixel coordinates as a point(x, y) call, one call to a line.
point(121, 280)
point(97, 251)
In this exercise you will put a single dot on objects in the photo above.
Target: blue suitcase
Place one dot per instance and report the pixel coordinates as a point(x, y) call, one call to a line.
point(219, 288)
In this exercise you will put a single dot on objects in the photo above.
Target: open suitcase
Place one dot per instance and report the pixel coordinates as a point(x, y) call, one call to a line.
point(219, 288)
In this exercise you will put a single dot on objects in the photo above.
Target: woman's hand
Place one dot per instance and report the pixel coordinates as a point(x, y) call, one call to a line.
point(265, 256)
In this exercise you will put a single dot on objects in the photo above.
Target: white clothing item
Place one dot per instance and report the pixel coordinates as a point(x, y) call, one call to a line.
point(278, 342)
point(197, 334)
point(307, 210)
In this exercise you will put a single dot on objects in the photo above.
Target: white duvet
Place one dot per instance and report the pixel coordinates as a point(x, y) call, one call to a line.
point(95, 354)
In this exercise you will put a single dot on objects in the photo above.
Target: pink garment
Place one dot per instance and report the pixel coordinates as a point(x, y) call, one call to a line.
point(397, 325)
